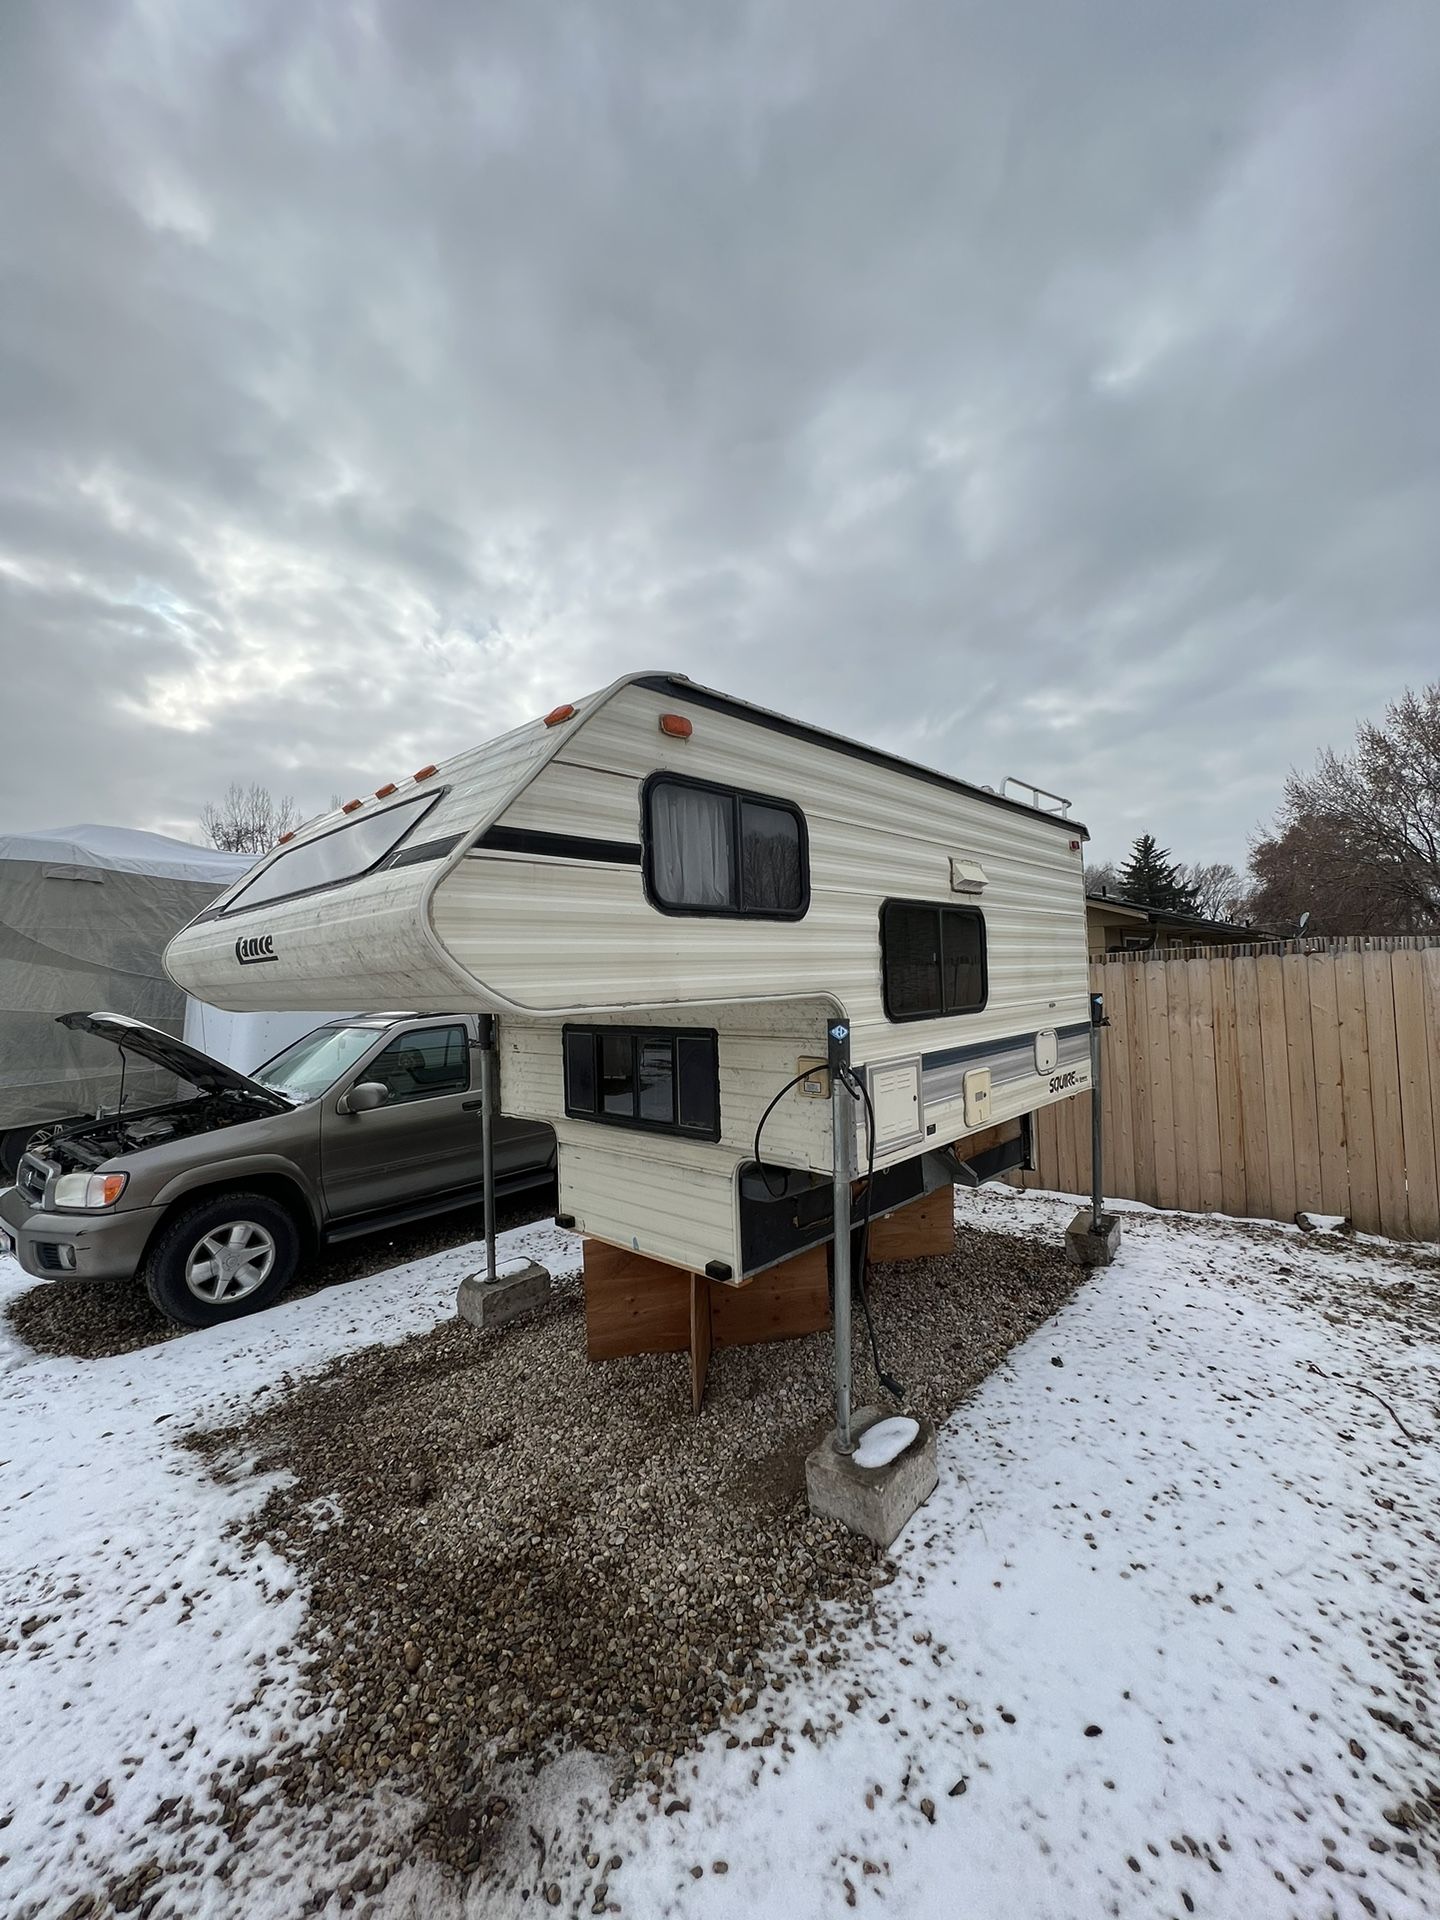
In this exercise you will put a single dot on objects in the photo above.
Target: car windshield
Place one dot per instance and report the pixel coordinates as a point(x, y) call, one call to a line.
point(303, 1070)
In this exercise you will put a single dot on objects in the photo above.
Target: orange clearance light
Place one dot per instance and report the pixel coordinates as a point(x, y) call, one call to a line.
point(424, 773)
point(351, 805)
point(558, 715)
point(384, 793)
point(112, 1185)
point(676, 725)
point(284, 837)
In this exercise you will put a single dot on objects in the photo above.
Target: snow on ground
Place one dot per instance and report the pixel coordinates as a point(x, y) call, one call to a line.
point(1130, 1662)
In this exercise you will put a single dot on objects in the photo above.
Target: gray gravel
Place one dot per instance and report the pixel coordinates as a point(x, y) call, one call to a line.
point(94, 1319)
point(537, 1554)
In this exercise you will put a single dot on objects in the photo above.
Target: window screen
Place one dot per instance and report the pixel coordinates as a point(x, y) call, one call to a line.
point(715, 850)
point(344, 854)
point(660, 1081)
point(933, 959)
point(772, 877)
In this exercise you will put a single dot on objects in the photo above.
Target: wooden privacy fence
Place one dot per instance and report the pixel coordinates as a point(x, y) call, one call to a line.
point(1262, 1080)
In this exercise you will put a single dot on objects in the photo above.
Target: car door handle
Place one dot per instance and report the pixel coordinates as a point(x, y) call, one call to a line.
point(471, 1106)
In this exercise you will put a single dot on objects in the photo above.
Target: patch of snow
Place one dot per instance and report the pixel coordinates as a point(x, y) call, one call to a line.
point(510, 1269)
point(1320, 1222)
point(885, 1441)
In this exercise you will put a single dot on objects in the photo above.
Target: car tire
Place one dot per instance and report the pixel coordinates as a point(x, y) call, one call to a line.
point(222, 1259)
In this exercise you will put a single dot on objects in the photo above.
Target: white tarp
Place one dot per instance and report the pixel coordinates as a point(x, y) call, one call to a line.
point(85, 914)
point(127, 850)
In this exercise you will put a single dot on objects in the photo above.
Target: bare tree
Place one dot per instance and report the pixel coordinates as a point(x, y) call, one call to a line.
point(1102, 879)
point(249, 819)
point(1357, 843)
point(1220, 890)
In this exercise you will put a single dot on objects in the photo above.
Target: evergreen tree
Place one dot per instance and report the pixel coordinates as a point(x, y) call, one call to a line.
point(1152, 879)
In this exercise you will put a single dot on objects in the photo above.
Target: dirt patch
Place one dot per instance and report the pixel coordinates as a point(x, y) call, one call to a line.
point(95, 1319)
point(512, 1554)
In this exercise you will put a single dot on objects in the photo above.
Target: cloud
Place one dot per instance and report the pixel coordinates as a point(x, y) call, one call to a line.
point(1039, 390)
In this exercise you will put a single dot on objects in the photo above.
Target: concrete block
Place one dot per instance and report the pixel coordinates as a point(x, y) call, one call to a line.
point(873, 1501)
point(519, 1287)
point(1084, 1247)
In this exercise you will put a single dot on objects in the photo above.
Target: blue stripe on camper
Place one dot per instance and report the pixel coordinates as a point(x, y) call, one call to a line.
point(1010, 1061)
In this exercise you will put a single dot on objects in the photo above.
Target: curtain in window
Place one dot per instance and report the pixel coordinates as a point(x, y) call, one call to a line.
point(693, 846)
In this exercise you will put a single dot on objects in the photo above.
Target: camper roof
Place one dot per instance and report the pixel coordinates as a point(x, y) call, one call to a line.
point(686, 689)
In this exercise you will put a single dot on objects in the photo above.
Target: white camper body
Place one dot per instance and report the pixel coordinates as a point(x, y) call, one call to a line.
point(667, 895)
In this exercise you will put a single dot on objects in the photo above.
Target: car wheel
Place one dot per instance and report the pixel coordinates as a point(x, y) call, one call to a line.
point(222, 1259)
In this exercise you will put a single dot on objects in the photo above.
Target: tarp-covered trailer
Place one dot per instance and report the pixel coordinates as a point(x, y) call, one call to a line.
point(85, 915)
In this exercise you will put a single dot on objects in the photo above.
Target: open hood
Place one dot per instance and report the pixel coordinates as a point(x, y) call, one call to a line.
point(164, 1050)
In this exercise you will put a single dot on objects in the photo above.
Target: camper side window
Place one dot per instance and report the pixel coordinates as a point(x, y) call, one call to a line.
point(647, 1077)
point(934, 960)
point(716, 850)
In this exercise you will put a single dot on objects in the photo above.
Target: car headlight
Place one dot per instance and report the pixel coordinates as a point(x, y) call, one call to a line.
point(89, 1190)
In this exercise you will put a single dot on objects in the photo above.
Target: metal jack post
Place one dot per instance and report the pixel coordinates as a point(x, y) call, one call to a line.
point(842, 1129)
point(1097, 1021)
point(484, 1299)
point(1093, 1236)
point(487, 1133)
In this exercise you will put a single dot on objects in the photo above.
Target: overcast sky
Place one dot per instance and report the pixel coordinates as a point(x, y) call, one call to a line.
point(1045, 388)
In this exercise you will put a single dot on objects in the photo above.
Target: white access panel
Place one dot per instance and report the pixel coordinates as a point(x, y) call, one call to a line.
point(896, 1098)
point(977, 1097)
point(1047, 1051)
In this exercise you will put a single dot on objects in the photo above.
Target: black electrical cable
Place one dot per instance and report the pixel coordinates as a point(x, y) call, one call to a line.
point(775, 1193)
point(892, 1386)
point(859, 1091)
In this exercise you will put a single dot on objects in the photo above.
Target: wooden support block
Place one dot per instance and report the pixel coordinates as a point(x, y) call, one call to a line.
point(637, 1305)
point(926, 1226)
point(633, 1304)
point(780, 1304)
point(700, 1339)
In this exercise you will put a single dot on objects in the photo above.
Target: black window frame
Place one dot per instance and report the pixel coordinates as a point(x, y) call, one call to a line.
point(737, 795)
point(940, 907)
point(390, 857)
point(400, 1040)
point(633, 1121)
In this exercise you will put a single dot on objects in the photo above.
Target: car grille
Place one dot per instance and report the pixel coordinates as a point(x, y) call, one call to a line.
point(48, 1256)
point(32, 1179)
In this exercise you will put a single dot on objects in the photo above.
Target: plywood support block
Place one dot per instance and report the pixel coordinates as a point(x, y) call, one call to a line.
point(925, 1227)
point(637, 1305)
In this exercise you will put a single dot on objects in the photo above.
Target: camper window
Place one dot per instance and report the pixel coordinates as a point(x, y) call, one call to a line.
point(648, 1077)
point(342, 854)
point(712, 849)
point(934, 960)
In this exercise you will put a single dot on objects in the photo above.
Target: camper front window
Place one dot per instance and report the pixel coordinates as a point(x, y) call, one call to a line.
point(342, 854)
point(716, 850)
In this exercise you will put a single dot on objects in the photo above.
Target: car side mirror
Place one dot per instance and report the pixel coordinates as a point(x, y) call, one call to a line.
point(364, 1098)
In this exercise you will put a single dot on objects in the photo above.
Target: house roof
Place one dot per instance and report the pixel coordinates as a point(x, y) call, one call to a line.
point(1165, 916)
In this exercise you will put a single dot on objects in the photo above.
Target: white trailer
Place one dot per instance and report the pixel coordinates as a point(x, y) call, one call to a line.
point(675, 901)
